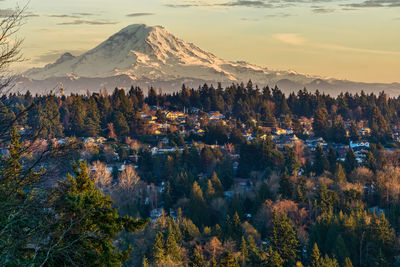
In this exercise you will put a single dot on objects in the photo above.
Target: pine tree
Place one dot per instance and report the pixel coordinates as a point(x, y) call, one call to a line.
point(171, 247)
point(291, 162)
point(197, 205)
point(120, 124)
point(254, 255)
point(284, 238)
point(340, 174)
point(347, 263)
point(87, 219)
point(332, 158)
point(274, 259)
point(315, 256)
point(243, 252)
point(217, 185)
point(210, 191)
point(198, 259)
point(340, 250)
point(92, 119)
point(285, 185)
point(321, 163)
point(158, 249)
point(350, 162)
point(47, 123)
point(228, 260)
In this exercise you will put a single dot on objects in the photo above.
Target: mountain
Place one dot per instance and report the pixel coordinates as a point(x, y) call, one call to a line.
point(144, 55)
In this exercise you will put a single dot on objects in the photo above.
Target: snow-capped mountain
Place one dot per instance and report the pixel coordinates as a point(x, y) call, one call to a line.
point(144, 55)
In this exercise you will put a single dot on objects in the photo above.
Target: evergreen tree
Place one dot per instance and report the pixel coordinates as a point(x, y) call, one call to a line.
point(284, 239)
point(198, 259)
point(228, 260)
point(320, 163)
point(210, 191)
point(158, 249)
point(274, 259)
point(320, 123)
point(92, 119)
point(120, 124)
point(315, 257)
point(171, 247)
point(350, 162)
point(243, 252)
point(47, 124)
point(254, 255)
point(197, 205)
point(87, 219)
point(285, 186)
point(332, 158)
point(347, 263)
point(340, 174)
point(291, 162)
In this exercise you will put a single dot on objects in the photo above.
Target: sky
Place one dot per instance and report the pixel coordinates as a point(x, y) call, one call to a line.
point(357, 40)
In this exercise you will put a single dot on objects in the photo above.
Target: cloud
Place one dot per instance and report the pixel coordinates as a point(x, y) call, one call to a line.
point(84, 14)
point(377, 3)
point(139, 14)
point(298, 40)
point(244, 3)
point(247, 3)
point(290, 38)
point(76, 15)
point(180, 5)
point(322, 10)
point(87, 22)
point(64, 16)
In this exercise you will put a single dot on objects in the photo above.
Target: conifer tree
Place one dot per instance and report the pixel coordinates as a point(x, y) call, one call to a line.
point(321, 163)
point(197, 205)
point(228, 260)
point(340, 174)
point(171, 247)
point(274, 259)
point(158, 249)
point(350, 162)
point(348, 263)
point(87, 219)
point(92, 119)
point(243, 252)
point(285, 185)
point(210, 191)
point(315, 256)
point(284, 238)
point(198, 259)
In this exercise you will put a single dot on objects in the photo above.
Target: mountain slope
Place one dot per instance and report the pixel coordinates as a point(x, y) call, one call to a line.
point(145, 55)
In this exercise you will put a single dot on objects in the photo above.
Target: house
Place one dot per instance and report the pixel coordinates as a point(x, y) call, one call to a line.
point(287, 140)
point(312, 143)
point(156, 213)
point(215, 115)
point(359, 145)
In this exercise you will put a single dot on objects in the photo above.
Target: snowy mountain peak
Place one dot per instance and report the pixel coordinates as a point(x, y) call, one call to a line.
point(151, 53)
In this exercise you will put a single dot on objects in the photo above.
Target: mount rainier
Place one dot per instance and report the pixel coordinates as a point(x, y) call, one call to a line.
point(151, 56)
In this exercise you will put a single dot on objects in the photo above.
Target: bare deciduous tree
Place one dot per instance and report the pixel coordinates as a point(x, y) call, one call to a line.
point(10, 46)
point(128, 178)
point(101, 175)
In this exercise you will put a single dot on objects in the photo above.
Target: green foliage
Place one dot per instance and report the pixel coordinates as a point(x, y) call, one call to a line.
point(284, 239)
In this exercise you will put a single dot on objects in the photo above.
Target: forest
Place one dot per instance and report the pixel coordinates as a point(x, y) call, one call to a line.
point(287, 206)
